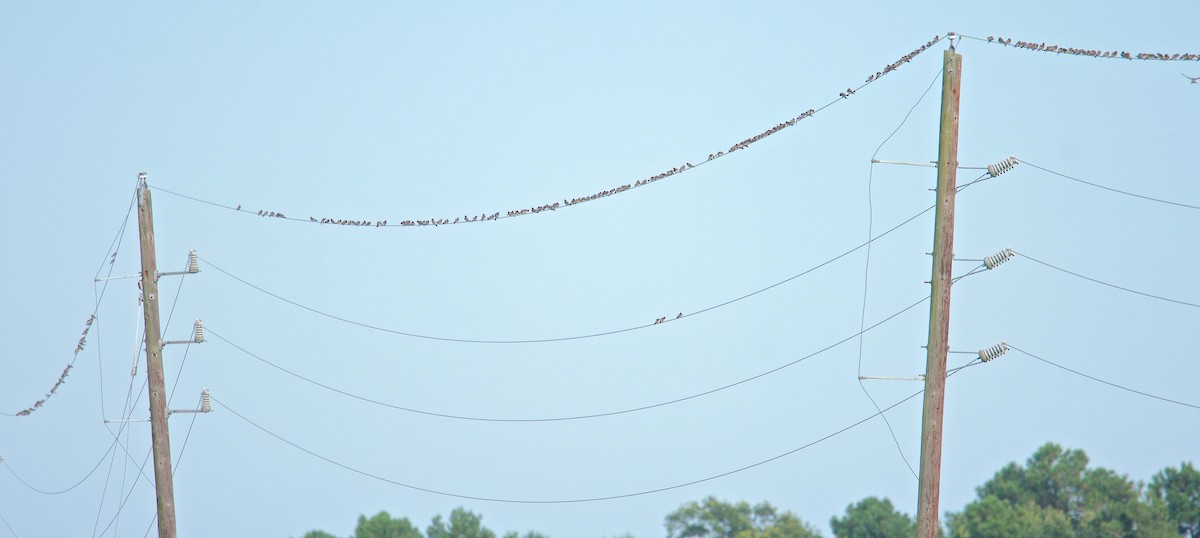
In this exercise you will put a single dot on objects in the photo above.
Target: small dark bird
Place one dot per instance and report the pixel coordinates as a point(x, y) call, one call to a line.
point(238, 208)
point(1193, 79)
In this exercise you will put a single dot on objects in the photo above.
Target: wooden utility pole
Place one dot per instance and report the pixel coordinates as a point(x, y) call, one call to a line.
point(939, 306)
point(159, 435)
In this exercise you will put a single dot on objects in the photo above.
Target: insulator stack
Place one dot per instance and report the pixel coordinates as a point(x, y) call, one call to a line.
point(193, 265)
point(205, 401)
point(198, 332)
point(988, 354)
point(1002, 166)
point(998, 258)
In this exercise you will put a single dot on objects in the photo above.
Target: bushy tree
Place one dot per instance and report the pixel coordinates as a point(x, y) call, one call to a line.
point(713, 518)
point(873, 518)
point(1178, 491)
point(1055, 494)
point(463, 524)
point(318, 534)
point(382, 525)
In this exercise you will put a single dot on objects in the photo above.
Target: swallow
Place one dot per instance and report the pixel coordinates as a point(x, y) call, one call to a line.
point(1193, 79)
point(238, 208)
point(679, 316)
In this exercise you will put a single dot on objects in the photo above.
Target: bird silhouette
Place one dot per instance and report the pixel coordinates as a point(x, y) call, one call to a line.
point(1193, 79)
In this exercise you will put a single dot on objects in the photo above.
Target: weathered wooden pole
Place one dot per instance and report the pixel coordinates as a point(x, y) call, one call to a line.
point(939, 307)
point(159, 436)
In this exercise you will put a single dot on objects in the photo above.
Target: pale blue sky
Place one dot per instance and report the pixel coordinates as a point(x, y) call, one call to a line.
point(394, 111)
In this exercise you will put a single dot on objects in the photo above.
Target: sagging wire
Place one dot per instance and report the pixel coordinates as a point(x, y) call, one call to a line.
point(562, 338)
point(565, 418)
point(1092, 53)
point(867, 266)
point(554, 206)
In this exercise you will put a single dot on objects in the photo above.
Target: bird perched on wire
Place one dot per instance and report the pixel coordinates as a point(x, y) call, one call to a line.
point(1193, 79)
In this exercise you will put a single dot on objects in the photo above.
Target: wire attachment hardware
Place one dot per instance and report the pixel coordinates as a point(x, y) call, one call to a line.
point(205, 405)
point(1002, 166)
point(197, 335)
point(193, 265)
point(990, 353)
point(198, 331)
point(998, 258)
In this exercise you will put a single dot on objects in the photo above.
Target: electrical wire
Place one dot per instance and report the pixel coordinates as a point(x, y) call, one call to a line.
point(867, 265)
point(558, 501)
point(1110, 189)
point(127, 411)
point(485, 217)
point(1098, 380)
point(178, 457)
point(88, 326)
point(575, 417)
point(145, 459)
point(1101, 282)
point(556, 339)
point(984, 177)
point(7, 526)
point(64, 490)
point(1092, 53)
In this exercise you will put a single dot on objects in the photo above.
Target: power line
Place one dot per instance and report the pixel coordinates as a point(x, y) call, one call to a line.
point(1101, 282)
point(554, 206)
point(1093, 53)
point(1110, 189)
point(64, 490)
point(867, 266)
point(179, 457)
point(1109, 383)
point(575, 417)
point(563, 338)
point(126, 413)
point(557, 501)
point(7, 526)
point(87, 326)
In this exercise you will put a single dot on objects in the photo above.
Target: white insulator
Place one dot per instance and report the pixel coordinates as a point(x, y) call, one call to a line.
point(998, 258)
point(193, 264)
point(205, 401)
point(198, 332)
point(1002, 166)
point(990, 353)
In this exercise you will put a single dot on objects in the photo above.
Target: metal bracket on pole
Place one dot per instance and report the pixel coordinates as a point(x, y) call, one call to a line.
point(197, 335)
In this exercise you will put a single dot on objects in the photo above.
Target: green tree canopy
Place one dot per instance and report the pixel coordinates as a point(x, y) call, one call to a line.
point(463, 524)
point(1056, 494)
point(382, 525)
point(873, 518)
point(713, 518)
point(1178, 490)
point(318, 534)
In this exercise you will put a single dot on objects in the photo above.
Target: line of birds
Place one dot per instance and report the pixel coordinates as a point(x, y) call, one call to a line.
point(348, 222)
point(903, 60)
point(676, 170)
point(62, 378)
point(1042, 47)
point(664, 319)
